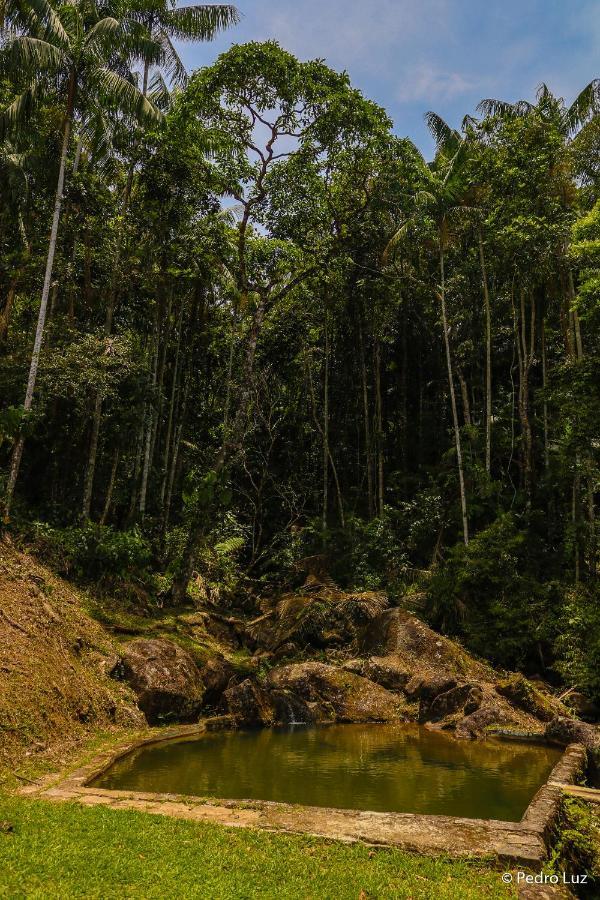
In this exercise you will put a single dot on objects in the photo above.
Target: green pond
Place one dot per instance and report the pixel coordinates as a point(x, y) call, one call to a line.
point(388, 768)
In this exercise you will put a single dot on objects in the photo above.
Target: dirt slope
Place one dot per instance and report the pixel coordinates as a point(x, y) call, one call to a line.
point(54, 660)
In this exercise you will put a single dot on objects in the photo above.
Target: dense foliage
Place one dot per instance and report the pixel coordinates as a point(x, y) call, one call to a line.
point(268, 325)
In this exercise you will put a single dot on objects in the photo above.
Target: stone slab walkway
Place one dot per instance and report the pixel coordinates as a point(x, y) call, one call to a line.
point(523, 842)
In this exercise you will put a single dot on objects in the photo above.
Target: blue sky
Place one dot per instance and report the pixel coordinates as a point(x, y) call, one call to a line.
point(414, 55)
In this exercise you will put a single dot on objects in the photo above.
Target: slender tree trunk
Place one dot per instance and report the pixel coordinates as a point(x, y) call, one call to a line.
point(366, 422)
point(574, 316)
point(325, 431)
point(88, 480)
point(464, 392)
point(150, 410)
point(526, 350)
point(6, 311)
point(111, 487)
point(459, 459)
point(545, 405)
point(231, 445)
point(379, 427)
point(174, 386)
point(488, 359)
point(39, 333)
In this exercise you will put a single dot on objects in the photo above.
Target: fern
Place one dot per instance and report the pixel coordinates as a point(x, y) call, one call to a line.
point(229, 546)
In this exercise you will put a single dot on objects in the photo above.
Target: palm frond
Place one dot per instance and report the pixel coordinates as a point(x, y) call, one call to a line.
point(585, 105)
point(16, 116)
point(493, 108)
point(35, 14)
point(171, 61)
point(199, 23)
point(126, 96)
point(158, 92)
point(444, 136)
point(24, 54)
point(104, 33)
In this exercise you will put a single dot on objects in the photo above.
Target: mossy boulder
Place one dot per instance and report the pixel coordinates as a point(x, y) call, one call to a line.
point(165, 679)
point(522, 693)
point(334, 694)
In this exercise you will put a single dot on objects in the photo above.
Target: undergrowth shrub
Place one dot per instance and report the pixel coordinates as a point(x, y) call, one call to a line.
point(92, 552)
point(492, 594)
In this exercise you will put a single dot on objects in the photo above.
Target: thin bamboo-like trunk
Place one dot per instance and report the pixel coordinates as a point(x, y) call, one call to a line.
point(366, 422)
point(149, 431)
point(174, 386)
point(379, 427)
point(488, 359)
point(464, 392)
point(325, 431)
point(111, 487)
point(6, 311)
point(574, 316)
point(39, 333)
point(459, 459)
point(545, 405)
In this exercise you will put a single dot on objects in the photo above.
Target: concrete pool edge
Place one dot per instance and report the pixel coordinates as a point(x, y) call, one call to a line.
point(525, 842)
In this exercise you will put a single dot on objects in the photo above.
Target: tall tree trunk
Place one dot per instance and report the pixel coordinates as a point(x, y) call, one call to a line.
point(150, 413)
point(488, 359)
point(366, 419)
point(6, 310)
point(325, 431)
point(545, 405)
point(464, 392)
point(459, 459)
point(111, 487)
point(88, 479)
point(574, 316)
point(174, 386)
point(39, 333)
point(379, 429)
point(526, 358)
point(231, 445)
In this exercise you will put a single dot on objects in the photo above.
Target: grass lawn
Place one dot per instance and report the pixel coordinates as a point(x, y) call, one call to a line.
point(64, 850)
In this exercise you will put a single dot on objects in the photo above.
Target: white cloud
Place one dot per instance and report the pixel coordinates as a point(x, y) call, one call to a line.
point(430, 83)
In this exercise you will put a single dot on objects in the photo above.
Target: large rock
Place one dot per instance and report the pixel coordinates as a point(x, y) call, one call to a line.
point(562, 730)
point(250, 704)
point(464, 698)
point(165, 679)
point(417, 648)
point(383, 670)
point(217, 675)
point(426, 687)
point(523, 694)
point(334, 694)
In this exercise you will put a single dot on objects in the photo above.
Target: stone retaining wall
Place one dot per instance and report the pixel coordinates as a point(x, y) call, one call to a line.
point(524, 842)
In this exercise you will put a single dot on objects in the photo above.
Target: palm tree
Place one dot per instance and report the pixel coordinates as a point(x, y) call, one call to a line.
point(78, 53)
point(448, 141)
point(441, 202)
point(161, 23)
point(165, 23)
point(569, 121)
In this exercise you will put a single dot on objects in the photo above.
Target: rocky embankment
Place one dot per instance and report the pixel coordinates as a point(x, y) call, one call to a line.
point(321, 655)
point(317, 655)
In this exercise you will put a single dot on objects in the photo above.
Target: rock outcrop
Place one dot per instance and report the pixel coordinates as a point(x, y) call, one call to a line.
point(562, 730)
point(250, 704)
point(165, 679)
point(217, 675)
point(330, 693)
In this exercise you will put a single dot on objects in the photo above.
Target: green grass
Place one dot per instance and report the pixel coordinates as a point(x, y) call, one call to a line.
point(64, 850)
